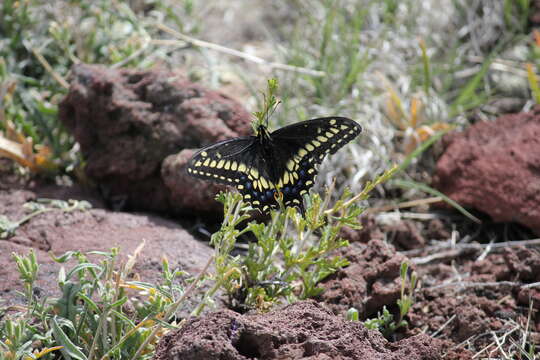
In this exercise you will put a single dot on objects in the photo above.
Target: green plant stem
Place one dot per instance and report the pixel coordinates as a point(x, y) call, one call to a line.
point(415, 185)
point(172, 309)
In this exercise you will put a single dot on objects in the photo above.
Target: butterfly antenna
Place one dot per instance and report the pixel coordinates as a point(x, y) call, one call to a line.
point(273, 110)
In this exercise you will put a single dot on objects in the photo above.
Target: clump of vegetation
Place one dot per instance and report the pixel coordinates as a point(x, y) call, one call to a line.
point(100, 314)
point(385, 321)
point(291, 254)
point(8, 227)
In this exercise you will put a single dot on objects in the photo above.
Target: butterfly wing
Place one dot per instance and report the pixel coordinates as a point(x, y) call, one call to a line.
point(237, 162)
point(300, 147)
point(224, 162)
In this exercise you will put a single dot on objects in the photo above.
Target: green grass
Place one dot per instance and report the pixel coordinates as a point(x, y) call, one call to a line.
point(90, 320)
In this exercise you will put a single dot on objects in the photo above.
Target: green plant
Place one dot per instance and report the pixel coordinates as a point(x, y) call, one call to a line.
point(97, 315)
point(39, 42)
point(385, 321)
point(291, 254)
point(8, 227)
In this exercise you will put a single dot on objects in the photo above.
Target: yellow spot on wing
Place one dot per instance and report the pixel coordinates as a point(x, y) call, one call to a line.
point(316, 143)
point(254, 173)
point(334, 130)
point(344, 127)
point(290, 165)
point(333, 122)
point(220, 164)
point(242, 167)
point(322, 139)
point(204, 154)
point(213, 163)
point(264, 183)
point(198, 163)
point(328, 134)
point(234, 166)
point(206, 162)
point(227, 165)
point(310, 147)
point(302, 152)
point(286, 178)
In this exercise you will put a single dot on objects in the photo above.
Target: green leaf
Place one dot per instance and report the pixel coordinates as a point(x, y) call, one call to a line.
point(423, 187)
point(80, 267)
point(69, 350)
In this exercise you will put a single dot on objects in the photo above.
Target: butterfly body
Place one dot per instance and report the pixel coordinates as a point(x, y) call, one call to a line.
point(266, 165)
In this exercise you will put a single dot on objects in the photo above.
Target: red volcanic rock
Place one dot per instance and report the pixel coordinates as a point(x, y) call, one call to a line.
point(304, 330)
point(495, 167)
point(371, 281)
point(187, 192)
point(127, 122)
point(56, 232)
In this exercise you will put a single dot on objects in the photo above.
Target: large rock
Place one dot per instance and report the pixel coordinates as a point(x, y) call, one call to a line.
point(127, 122)
point(371, 281)
point(304, 330)
point(96, 229)
point(494, 166)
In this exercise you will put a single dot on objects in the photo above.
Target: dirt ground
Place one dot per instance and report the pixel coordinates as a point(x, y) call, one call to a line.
point(468, 297)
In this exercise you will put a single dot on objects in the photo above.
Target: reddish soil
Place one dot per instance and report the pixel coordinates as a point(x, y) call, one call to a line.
point(461, 301)
point(304, 330)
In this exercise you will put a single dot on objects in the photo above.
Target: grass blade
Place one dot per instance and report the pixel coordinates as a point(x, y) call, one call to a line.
point(423, 187)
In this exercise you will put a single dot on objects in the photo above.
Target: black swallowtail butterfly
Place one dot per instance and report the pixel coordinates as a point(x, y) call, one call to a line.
point(282, 161)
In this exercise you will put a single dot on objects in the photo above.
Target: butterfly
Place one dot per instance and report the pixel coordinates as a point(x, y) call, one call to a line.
point(281, 163)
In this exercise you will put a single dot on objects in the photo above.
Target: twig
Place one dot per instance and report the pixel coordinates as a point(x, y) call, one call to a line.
point(500, 344)
point(437, 256)
point(443, 326)
point(492, 343)
point(147, 41)
point(49, 68)
point(486, 251)
point(233, 52)
point(471, 284)
point(405, 204)
point(531, 242)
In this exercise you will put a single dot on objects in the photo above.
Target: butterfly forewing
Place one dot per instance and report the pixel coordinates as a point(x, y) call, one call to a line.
point(301, 147)
point(284, 163)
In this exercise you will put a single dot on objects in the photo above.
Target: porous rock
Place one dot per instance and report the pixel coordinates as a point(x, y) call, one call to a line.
point(56, 232)
point(127, 122)
point(370, 281)
point(494, 166)
point(304, 330)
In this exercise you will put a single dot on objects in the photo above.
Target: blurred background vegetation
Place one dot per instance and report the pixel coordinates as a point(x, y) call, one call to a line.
point(403, 69)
